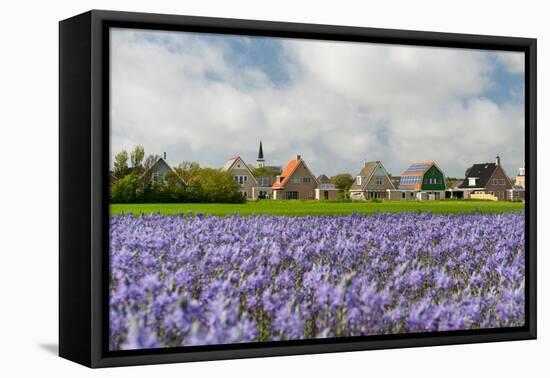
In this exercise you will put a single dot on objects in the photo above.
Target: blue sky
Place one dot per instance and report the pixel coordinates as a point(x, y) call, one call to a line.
point(206, 97)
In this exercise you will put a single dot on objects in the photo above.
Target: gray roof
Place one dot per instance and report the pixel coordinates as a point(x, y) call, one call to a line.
point(323, 179)
point(366, 172)
point(482, 172)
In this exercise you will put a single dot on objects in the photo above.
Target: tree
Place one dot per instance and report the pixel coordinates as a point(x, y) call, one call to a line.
point(451, 181)
point(149, 161)
point(266, 171)
point(126, 190)
point(217, 186)
point(121, 164)
point(137, 156)
point(188, 171)
point(343, 181)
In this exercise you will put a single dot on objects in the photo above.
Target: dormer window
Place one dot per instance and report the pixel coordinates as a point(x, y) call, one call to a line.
point(471, 181)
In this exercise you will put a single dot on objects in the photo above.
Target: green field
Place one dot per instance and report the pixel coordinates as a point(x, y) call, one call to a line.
point(320, 208)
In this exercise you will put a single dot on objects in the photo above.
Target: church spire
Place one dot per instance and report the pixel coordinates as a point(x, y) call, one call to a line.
point(260, 162)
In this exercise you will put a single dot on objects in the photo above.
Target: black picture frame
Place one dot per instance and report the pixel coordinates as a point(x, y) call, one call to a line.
point(83, 195)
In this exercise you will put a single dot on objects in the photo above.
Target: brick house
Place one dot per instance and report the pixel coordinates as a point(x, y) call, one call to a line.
point(295, 182)
point(371, 182)
point(486, 179)
point(242, 175)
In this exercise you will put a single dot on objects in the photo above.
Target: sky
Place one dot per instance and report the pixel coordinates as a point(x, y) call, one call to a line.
point(207, 97)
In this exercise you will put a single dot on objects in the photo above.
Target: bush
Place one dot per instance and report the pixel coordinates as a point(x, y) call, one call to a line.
point(126, 190)
point(209, 185)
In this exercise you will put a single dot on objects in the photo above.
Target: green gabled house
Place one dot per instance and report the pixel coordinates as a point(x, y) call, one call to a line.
point(423, 181)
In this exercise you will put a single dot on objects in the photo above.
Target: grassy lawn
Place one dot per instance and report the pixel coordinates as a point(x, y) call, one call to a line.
point(319, 208)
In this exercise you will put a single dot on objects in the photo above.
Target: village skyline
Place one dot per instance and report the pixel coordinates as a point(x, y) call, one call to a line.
point(218, 96)
point(253, 163)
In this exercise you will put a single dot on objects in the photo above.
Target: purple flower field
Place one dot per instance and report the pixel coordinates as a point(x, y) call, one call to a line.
point(197, 280)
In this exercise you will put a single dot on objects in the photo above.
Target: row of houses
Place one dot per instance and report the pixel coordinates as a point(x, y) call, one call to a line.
point(420, 181)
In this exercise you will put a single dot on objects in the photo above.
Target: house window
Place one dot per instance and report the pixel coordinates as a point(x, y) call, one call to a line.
point(240, 179)
point(307, 180)
point(379, 181)
point(359, 180)
point(403, 195)
point(296, 180)
point(471, 181)
point(292, 195)
point(325, 194)
point(501, 181)
point(157, 178)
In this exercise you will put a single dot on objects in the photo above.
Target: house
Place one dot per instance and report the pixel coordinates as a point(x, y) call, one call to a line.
point(452, 190)
point(295, 182)
point(486, 180)
point(517, 193)
point(323, 179)
point(520, 178)
point(395, 180)
point(371, 182)
point(422, 181)
point(326, 190)
point(160, 173)
point(242, 175)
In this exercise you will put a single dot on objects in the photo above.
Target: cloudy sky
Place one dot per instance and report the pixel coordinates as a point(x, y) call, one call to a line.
point(207, 97)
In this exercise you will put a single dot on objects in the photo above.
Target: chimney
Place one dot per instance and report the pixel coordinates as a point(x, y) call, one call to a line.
point(498, 161)
point(298, 157)
point(164, 156)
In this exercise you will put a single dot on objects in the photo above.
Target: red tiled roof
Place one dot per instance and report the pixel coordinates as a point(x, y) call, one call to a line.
point(285, 175)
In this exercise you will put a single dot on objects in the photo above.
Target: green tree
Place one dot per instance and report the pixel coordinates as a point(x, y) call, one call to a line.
point(342, 181)
point(121, 164)
point(126, 189)
point(217, 186)
point(136, 157)
point(188, 171)
point(266, 171)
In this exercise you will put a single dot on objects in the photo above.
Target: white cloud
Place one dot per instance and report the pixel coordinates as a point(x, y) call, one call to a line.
point(514, 62)
point(343, 103)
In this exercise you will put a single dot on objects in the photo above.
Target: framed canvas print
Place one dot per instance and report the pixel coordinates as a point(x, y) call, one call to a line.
point(234, 188)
